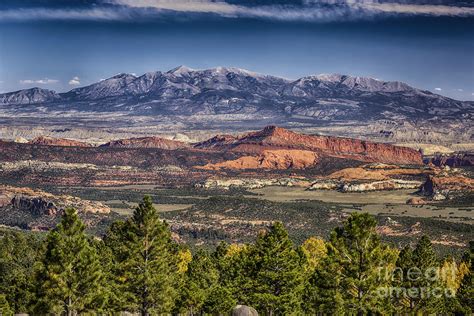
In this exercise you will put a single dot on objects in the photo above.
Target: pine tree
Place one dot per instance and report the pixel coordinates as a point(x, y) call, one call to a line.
point(69, 280)
point(323, 294)
point(277, 271)
point(109, 299)
point(353, 272)
point(426, 262)
point(234, 264)
point(5, 309)
point(234, 284)
point(200, 280)
point(465, 293)
point(402, 281)
point(18, 255)
point(115, 253)
point(314, 250)
point(220, 301)
point(146, 261)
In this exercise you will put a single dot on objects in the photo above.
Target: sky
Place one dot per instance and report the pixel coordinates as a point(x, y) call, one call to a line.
point(64, 44)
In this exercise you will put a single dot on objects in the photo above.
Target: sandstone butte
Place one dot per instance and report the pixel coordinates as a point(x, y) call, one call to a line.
point(51, 141)
point(147, 142)
point(272, 137)
point(269, 159)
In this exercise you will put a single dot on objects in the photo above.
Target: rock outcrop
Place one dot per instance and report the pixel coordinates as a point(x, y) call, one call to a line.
point(44, 203)
point(370, 174)
point(324, 184)
point(438, 187)
point(36, 205)
point(243, 310)
point(51, 141)
point(251, 183)
point(147, 142)
point(393, 184)
point(454, 160)
point(272, 137)
point(269, 159)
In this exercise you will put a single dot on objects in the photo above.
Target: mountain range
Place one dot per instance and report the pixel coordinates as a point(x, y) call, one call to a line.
point(242, 95)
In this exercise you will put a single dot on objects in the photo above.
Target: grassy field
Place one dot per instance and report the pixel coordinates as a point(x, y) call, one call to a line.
point(376, 203)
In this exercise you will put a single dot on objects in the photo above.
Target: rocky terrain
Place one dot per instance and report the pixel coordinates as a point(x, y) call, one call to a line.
point(147, 142)
point(269, 159)
point(276, 137)
point(211, 190)
point(270, 156)
point(232, 99)
point(39, 210)
point(51, 141)
point(442, 186)
point(27, 197)
point(452, 160)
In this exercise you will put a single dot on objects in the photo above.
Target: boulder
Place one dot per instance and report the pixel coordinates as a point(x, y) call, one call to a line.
point(243, 310)
point(416, 201)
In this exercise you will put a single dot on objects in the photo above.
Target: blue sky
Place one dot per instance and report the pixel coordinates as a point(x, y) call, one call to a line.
point(64, 44)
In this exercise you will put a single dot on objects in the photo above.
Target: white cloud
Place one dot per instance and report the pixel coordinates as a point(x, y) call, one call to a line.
point(420, 9)
point(202, 6)
point(39, 81)
point(312, 10)
point(63, 14)
point(75, 81)
point(332, 9)
point(460, 90)
point(46, 81)
point(438, 89)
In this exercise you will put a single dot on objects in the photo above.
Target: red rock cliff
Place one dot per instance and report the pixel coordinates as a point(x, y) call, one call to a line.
point(276, 137)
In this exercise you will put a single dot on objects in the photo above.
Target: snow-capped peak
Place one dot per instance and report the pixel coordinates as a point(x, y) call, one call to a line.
point(329, 77)
point(122, 75)
point(180, 70)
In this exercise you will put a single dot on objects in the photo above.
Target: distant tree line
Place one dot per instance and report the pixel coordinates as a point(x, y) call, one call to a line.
point(137, 267)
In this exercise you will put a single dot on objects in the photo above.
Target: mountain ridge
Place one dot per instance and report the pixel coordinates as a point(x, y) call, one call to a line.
point(121, 80)
point(226, 98)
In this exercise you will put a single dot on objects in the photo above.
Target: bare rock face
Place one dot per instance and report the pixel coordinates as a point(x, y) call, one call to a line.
point(276, 137)
point(325, 184)
point(251, 183)
point(269, 159)
point(439, 186)
point(455, 160)
point(147, 142)
point(43, 203)
point(20, 140)
point(36, 206)
point(393, 184)
point(217, 141)
point(50, 141)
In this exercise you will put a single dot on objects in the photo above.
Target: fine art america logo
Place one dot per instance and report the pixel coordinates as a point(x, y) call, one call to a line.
point(415, 283)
